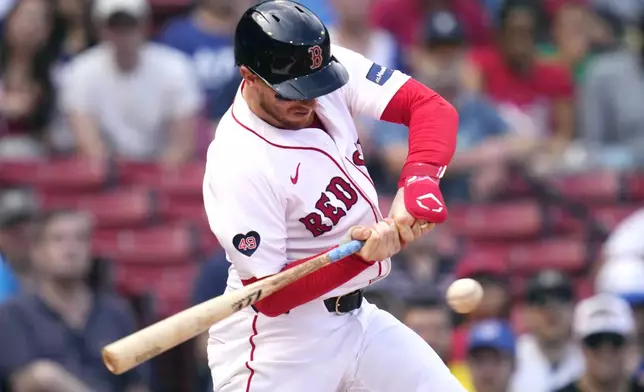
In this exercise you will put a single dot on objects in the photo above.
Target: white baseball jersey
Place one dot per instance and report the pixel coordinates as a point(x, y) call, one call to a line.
point(274, 196)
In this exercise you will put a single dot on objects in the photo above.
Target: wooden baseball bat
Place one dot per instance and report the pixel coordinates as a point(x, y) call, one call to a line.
point(134, 349)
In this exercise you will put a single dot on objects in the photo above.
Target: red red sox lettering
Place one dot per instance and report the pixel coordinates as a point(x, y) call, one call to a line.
point(343, 191)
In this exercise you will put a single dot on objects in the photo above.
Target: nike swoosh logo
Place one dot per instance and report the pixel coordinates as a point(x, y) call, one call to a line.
point(297, 174)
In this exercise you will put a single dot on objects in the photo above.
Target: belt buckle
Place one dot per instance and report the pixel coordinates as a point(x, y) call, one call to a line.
point(337, 306)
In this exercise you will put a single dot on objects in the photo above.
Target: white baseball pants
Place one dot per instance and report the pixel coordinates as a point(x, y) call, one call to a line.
point(312, 350)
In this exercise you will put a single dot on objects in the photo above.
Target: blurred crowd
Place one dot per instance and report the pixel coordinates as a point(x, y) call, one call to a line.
point(544, 88)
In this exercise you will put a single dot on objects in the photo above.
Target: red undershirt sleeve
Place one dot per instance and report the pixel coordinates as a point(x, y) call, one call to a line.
point(432, 122)
point(311, 286)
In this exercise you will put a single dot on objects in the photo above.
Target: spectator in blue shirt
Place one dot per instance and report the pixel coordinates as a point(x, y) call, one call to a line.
point(206, 35)
point(72, 321)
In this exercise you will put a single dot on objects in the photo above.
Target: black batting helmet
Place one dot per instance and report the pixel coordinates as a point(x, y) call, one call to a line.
point(288, 46)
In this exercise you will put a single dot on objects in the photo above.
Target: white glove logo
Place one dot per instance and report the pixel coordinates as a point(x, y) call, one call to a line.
point(434, 198)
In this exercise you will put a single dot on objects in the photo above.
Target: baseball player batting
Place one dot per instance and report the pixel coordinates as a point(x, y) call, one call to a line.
point(286, 180)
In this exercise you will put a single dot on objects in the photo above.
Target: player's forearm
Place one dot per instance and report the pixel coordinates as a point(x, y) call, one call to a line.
point(432, 122)
point(311, 286)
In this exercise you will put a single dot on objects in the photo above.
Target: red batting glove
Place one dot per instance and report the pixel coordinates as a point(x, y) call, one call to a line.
point(424, 200)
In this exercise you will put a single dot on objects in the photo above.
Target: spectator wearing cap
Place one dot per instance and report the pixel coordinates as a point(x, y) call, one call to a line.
point(18, 209)
point(625, 279)
point(206, 36)
point(532, 95)
point(485, 142)
point(548, 357)
point(405, 18)
point(491, 355)
point(430, 318)
point(604, 325)
point(51, 339)
point(130, 98)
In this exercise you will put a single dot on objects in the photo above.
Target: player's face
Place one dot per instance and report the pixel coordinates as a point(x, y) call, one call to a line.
point(284, 113)
point(275, 110)
point(491, 370)
point(64, 249)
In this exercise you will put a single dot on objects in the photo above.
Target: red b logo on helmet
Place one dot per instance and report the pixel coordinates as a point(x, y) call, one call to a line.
point(316, 56)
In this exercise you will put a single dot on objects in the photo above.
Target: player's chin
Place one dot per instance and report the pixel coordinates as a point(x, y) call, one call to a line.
point(298, 119)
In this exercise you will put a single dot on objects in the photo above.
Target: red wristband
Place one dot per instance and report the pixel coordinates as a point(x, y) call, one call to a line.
point(420, 170)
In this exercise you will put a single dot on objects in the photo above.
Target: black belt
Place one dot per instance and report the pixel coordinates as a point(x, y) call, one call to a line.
point(344, 303)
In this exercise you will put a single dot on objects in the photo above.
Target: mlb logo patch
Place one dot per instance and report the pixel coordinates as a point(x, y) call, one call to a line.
point(379, 74)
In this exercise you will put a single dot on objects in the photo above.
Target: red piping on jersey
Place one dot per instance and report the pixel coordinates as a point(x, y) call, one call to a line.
point(373, 209)
point(374, 185)
point(252, 354)
point(432, 122)
point(319, 282)
point(363, 173)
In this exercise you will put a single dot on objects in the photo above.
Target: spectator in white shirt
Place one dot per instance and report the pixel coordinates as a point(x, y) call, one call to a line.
point(128, 97)
point(547, 357)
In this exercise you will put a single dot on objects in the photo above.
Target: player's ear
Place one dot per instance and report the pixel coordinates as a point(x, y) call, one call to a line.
point(247, 75)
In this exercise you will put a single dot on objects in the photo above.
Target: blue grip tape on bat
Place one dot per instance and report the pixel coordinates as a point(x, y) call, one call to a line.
point(345, 250)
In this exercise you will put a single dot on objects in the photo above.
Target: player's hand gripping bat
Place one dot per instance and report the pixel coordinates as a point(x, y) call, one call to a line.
point(149, 342)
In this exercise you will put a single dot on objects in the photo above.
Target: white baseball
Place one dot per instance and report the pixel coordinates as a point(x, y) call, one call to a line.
point(464, 295)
